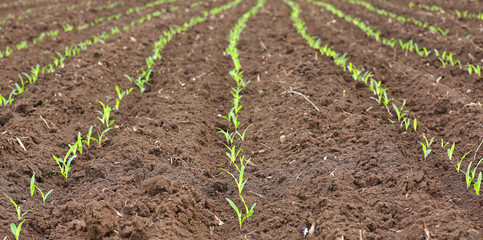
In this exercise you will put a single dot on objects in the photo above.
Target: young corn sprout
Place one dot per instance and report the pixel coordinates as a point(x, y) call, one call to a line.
point(121, 95)
point(33, 187)
point(399, 111)
point(426, 149)
point(449, 151)
point(458, 166)
point(99, 136)
point(477, 184)
point(105, 115)
point(64, 163)
point(18, 208)
point(16, 229)
point(87, 141)
point(470, 174)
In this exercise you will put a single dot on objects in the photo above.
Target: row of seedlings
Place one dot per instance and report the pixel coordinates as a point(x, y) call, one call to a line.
point(234, 137)
point(457, 13)
point(64, 163)
point(70, 51)
point(9, 50)
point(444, 57)
point(432, 27)
point(366, 77)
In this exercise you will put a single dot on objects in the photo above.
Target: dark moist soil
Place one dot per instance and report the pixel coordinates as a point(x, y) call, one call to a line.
point(342, 170)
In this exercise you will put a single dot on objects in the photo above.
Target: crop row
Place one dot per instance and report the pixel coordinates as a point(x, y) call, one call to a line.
point(432, 27)
point(70, 51)
point(401, 113)
point(237, 134)
point(64, 162)
point(9, 50)
point(458, 13)
point(444, 57)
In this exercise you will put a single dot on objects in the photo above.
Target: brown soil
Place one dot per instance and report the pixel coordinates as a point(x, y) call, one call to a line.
point(341, 169)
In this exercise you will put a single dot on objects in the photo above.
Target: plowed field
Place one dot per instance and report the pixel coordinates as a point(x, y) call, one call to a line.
point(328, 159)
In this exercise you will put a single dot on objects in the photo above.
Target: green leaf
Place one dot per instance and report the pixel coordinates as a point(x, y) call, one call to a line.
point(32, 185)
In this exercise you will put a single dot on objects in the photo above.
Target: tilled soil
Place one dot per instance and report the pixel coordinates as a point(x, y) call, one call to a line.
point(329, 161)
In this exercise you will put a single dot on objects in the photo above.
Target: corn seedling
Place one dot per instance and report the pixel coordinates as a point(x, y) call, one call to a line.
point(105, 115)
point(229, 136)
point(470, 174)
point(18, 208)
point(477, 184)
point(458, 166)
point(400, 112)
point(33, 187)
point(449, 151)
point(426, 147)
point(64, 163)
point(415, 124)
point(239, 213)
point(88, 138)
point(16, 229)
point(8, 51)
point(99, 136)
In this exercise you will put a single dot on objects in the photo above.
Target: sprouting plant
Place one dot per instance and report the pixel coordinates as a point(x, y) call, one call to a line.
point(242, 135)
point(18, 208)
point(415, 124)
point(428, 143)
point(426, 147)
point(458, 166)
point(120, 96)
point(470, 174)
point(64, 163)
point(99, 136)
point(400, 112)
point(8, 51)
point(407, 123)
point(105, 115)
point(477, 184)
point(33, 187)
point(425, 150)
point(239, 213)
point(16, 229)
point(449, 151)
point(88, 138)
point(229, 136)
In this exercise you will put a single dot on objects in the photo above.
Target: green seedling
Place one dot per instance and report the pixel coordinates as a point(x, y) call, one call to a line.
point(249, 212)
point(16, 229)
point(470, 174)
point(477, 184)
point(426, 147)
point(426, 151)
point(449, 151)
point(64, 163)
point(415, 124)
point(229, 136)
point(400, 112)
point(18, 208)
point(99, 136)
point(242, 135)
point(87, 141)
point(8, 51)
point(428, 143)
point(458, 166)
point(105, 115)
point(407, 123)
point(33, 187)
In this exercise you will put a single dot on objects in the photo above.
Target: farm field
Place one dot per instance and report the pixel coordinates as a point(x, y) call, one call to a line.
point(241, 119)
